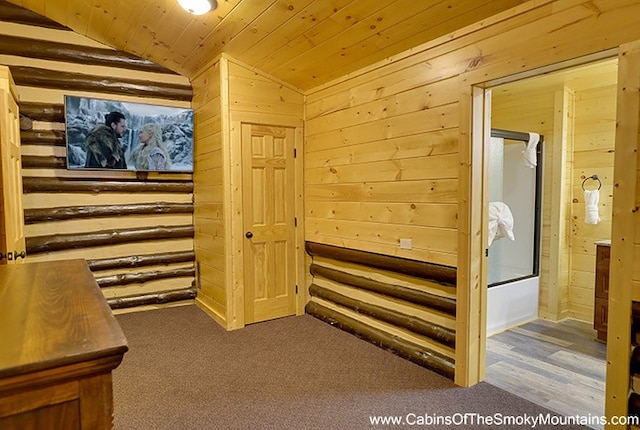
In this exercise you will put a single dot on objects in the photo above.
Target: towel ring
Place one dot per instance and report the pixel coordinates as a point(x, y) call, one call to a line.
point(595, 178)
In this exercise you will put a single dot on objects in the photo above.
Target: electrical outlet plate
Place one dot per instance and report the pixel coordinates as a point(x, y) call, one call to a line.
point(406, 244)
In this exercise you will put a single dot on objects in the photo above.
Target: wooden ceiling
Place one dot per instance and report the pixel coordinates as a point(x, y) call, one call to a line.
point(303, 42)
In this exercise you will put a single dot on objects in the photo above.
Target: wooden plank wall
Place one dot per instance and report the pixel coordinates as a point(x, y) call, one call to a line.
point(209, 204)
point(137, 233)
point(257, 98)
point(594, 144)
point(228, 93)
point(388, 151)
point(381, 165)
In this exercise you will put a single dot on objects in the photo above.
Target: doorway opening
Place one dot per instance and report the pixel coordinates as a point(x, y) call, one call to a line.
point(575, 110)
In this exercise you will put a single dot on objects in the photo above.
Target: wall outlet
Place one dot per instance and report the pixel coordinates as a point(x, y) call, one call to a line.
point(406, 244)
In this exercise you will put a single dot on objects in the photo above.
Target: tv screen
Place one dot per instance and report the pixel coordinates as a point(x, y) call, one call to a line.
point(110, 134)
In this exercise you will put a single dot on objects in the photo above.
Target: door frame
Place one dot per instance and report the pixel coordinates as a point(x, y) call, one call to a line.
point(472, 229)
point(235, 228)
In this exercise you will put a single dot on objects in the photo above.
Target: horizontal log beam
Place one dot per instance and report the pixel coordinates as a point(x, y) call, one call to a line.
point(436, 332)
point(43, 137)
point(55, 185)
point(47, 112)
point(152, 299)
point(69, 81)
point(58, 242)
point(141, 260)
point(16, 14)
point(141, 278)
point(420, 269)
point(415, 353)
point(43, 162)
point(32, 216)
point(79, 54)
point(443, 304)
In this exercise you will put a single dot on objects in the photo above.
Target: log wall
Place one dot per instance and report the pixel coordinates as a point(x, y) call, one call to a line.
point(405, 306)
point(135, 231)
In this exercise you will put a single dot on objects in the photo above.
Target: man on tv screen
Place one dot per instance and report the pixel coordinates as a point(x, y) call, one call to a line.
point(104, 149)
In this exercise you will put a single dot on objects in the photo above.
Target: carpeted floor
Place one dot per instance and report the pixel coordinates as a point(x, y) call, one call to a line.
point(183, 371)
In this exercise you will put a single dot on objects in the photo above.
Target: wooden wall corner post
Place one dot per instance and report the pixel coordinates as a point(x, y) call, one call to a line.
point(624, 231)
point(301, 261)
point(471, 294)
point(231, 165)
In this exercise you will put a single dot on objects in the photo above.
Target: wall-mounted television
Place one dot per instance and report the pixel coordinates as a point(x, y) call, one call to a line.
point(111, 134)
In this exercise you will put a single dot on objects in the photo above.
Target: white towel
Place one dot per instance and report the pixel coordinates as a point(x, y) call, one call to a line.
point(500, 221)
point(591, 206)
point(529, 153)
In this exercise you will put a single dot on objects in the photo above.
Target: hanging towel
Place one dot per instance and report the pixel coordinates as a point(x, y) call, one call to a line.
point(500, 221)
point(529, 153)
point(591, 198)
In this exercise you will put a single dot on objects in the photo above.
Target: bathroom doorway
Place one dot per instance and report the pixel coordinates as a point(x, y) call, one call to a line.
point(575, 110)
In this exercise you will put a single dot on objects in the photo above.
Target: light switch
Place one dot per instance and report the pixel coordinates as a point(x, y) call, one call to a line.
point(406, 244)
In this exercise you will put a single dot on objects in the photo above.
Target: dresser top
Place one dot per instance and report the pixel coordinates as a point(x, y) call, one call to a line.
point(53, 314)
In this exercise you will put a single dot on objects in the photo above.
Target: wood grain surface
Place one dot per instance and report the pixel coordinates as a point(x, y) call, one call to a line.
point(53, 314)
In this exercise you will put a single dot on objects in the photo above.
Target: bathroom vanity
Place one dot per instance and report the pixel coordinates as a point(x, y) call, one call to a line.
point(601, 302)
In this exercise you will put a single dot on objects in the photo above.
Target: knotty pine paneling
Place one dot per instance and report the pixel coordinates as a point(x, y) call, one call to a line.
point(253, 92)
point(209, 201)
point(364, 149)
point(389, 140)
point(595, 125)
point(381, 164)
point(305, 42)
point(228, 93)
point(261, 100)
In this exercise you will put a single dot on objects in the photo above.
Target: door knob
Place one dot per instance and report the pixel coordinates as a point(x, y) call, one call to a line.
point(248, 235)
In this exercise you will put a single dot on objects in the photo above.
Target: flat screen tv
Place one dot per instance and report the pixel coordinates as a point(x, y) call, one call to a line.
point(111, 134)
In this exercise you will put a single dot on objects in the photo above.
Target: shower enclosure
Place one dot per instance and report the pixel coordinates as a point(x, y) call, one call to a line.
point(513, 263)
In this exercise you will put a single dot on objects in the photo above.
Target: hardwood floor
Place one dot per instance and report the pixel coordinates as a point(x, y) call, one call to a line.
point(557, 365)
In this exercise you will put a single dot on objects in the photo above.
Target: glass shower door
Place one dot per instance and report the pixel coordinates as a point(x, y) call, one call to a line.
point(515, 184)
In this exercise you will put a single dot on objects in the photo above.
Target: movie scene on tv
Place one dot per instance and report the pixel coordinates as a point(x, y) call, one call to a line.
point(110, 134)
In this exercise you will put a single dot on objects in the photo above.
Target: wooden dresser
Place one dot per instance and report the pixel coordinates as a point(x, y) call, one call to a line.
point(59, 343)
point(601, 302)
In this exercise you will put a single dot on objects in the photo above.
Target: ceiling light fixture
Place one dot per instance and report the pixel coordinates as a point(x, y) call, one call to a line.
point(198, 7)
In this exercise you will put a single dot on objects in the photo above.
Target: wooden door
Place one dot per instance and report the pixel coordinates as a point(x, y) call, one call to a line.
point(12, 213)
point(269, 221)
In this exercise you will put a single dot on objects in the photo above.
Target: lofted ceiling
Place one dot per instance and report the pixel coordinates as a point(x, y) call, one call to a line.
point(303, 42)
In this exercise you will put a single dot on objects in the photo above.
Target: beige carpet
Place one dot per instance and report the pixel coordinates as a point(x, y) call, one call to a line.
point(183, 371)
